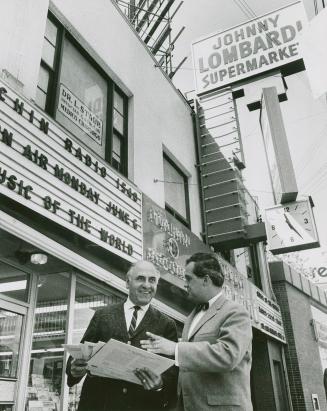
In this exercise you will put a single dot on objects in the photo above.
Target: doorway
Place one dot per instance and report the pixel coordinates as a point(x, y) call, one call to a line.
point(12, 321)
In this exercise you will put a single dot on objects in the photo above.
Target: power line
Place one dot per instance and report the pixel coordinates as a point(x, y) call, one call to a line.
point(245, 9)
point(321, 170)
point(249, 13)
point(315, 145)
point(316, 185)
point(156, 180)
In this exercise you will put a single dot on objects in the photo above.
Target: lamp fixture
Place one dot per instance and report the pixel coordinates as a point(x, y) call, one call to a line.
point(39, 258)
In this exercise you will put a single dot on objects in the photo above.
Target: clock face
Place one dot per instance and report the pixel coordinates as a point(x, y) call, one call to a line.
point(291, 227)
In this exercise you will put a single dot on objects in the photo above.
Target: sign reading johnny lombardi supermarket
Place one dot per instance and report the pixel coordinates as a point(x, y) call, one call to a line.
point(244, 51)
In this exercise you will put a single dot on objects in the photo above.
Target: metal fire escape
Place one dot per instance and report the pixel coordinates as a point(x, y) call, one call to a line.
point(152, 21)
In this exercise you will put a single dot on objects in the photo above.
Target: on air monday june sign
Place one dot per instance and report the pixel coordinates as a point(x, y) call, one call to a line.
point(259, 45)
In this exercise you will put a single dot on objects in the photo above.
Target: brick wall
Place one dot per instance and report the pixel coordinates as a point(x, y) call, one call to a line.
point(291, 357)
point(301, 353)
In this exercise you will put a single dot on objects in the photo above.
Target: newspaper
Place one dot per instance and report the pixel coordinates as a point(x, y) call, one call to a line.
point(83, 351)
point(119, 361)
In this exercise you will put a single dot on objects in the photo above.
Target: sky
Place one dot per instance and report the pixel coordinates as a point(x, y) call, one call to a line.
point(305, 117)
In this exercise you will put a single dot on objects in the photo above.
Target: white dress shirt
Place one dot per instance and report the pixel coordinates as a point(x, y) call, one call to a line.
point(200, 314)
point(129, 309)
point(195, 321)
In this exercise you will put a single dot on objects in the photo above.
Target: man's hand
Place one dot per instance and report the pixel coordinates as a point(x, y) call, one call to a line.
point(149, 379)
point(158, 345)
point(78, 368)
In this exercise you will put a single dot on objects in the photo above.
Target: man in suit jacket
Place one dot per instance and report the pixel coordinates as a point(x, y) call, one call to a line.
point(214, 356)
point(120, 322)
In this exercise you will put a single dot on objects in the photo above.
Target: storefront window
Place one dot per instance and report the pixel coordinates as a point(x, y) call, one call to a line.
point(87, 301)
point(10, 334)
point(13, 282)
point(46, 365)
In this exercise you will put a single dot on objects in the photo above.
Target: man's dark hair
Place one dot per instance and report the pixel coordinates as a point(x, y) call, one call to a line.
point(207, 264)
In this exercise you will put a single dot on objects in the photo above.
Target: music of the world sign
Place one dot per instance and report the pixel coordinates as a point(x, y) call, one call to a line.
point(47, 170)
point(259, 45)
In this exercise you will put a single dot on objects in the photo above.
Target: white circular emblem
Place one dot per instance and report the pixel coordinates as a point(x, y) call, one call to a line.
point(172, 247)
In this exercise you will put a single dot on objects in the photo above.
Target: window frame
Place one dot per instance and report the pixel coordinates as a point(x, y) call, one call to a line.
point(185, 221)
point(255, 265)
point(52, 95)
point(122, 137)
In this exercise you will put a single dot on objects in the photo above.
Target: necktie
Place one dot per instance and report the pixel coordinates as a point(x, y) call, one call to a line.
point(132, 327)
point(201, 306)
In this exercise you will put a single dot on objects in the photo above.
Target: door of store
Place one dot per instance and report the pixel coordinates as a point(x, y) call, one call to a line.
point(12, 318)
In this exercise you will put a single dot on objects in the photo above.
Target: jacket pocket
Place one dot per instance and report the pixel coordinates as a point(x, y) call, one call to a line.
point(218, 399)
point(210, 337)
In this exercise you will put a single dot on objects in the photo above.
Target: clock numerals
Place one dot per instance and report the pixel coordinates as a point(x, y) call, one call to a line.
point(291, 227)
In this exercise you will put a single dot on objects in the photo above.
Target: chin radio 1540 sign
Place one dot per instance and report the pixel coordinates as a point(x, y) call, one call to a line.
point(246, 50)
point(47, 170)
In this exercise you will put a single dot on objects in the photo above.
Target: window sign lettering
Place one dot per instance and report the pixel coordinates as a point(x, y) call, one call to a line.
point(74, 109)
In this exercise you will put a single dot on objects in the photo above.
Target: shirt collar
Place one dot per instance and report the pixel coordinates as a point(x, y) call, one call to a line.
point(213, 299)
point(130, 305)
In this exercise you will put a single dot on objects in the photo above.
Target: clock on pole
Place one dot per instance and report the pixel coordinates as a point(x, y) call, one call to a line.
point(291, 227)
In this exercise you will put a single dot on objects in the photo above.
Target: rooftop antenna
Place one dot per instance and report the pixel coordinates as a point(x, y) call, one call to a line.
point(152, 20)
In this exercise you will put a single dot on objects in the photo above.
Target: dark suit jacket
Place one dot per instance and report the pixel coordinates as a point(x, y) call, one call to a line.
point(106, 394)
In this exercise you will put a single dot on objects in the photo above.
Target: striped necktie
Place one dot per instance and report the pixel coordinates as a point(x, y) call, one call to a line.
point(132, 327)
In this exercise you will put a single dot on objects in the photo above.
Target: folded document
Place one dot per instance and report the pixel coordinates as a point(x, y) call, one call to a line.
point(118, 360)
point(83, 351)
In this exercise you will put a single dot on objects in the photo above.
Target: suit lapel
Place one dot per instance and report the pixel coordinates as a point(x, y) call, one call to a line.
point(187, 325)
point(208, 315)
point(122, 320)
point(113, 324)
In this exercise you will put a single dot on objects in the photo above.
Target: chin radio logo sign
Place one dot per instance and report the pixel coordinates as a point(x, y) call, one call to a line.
point(172, 247)
point(322, 272)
